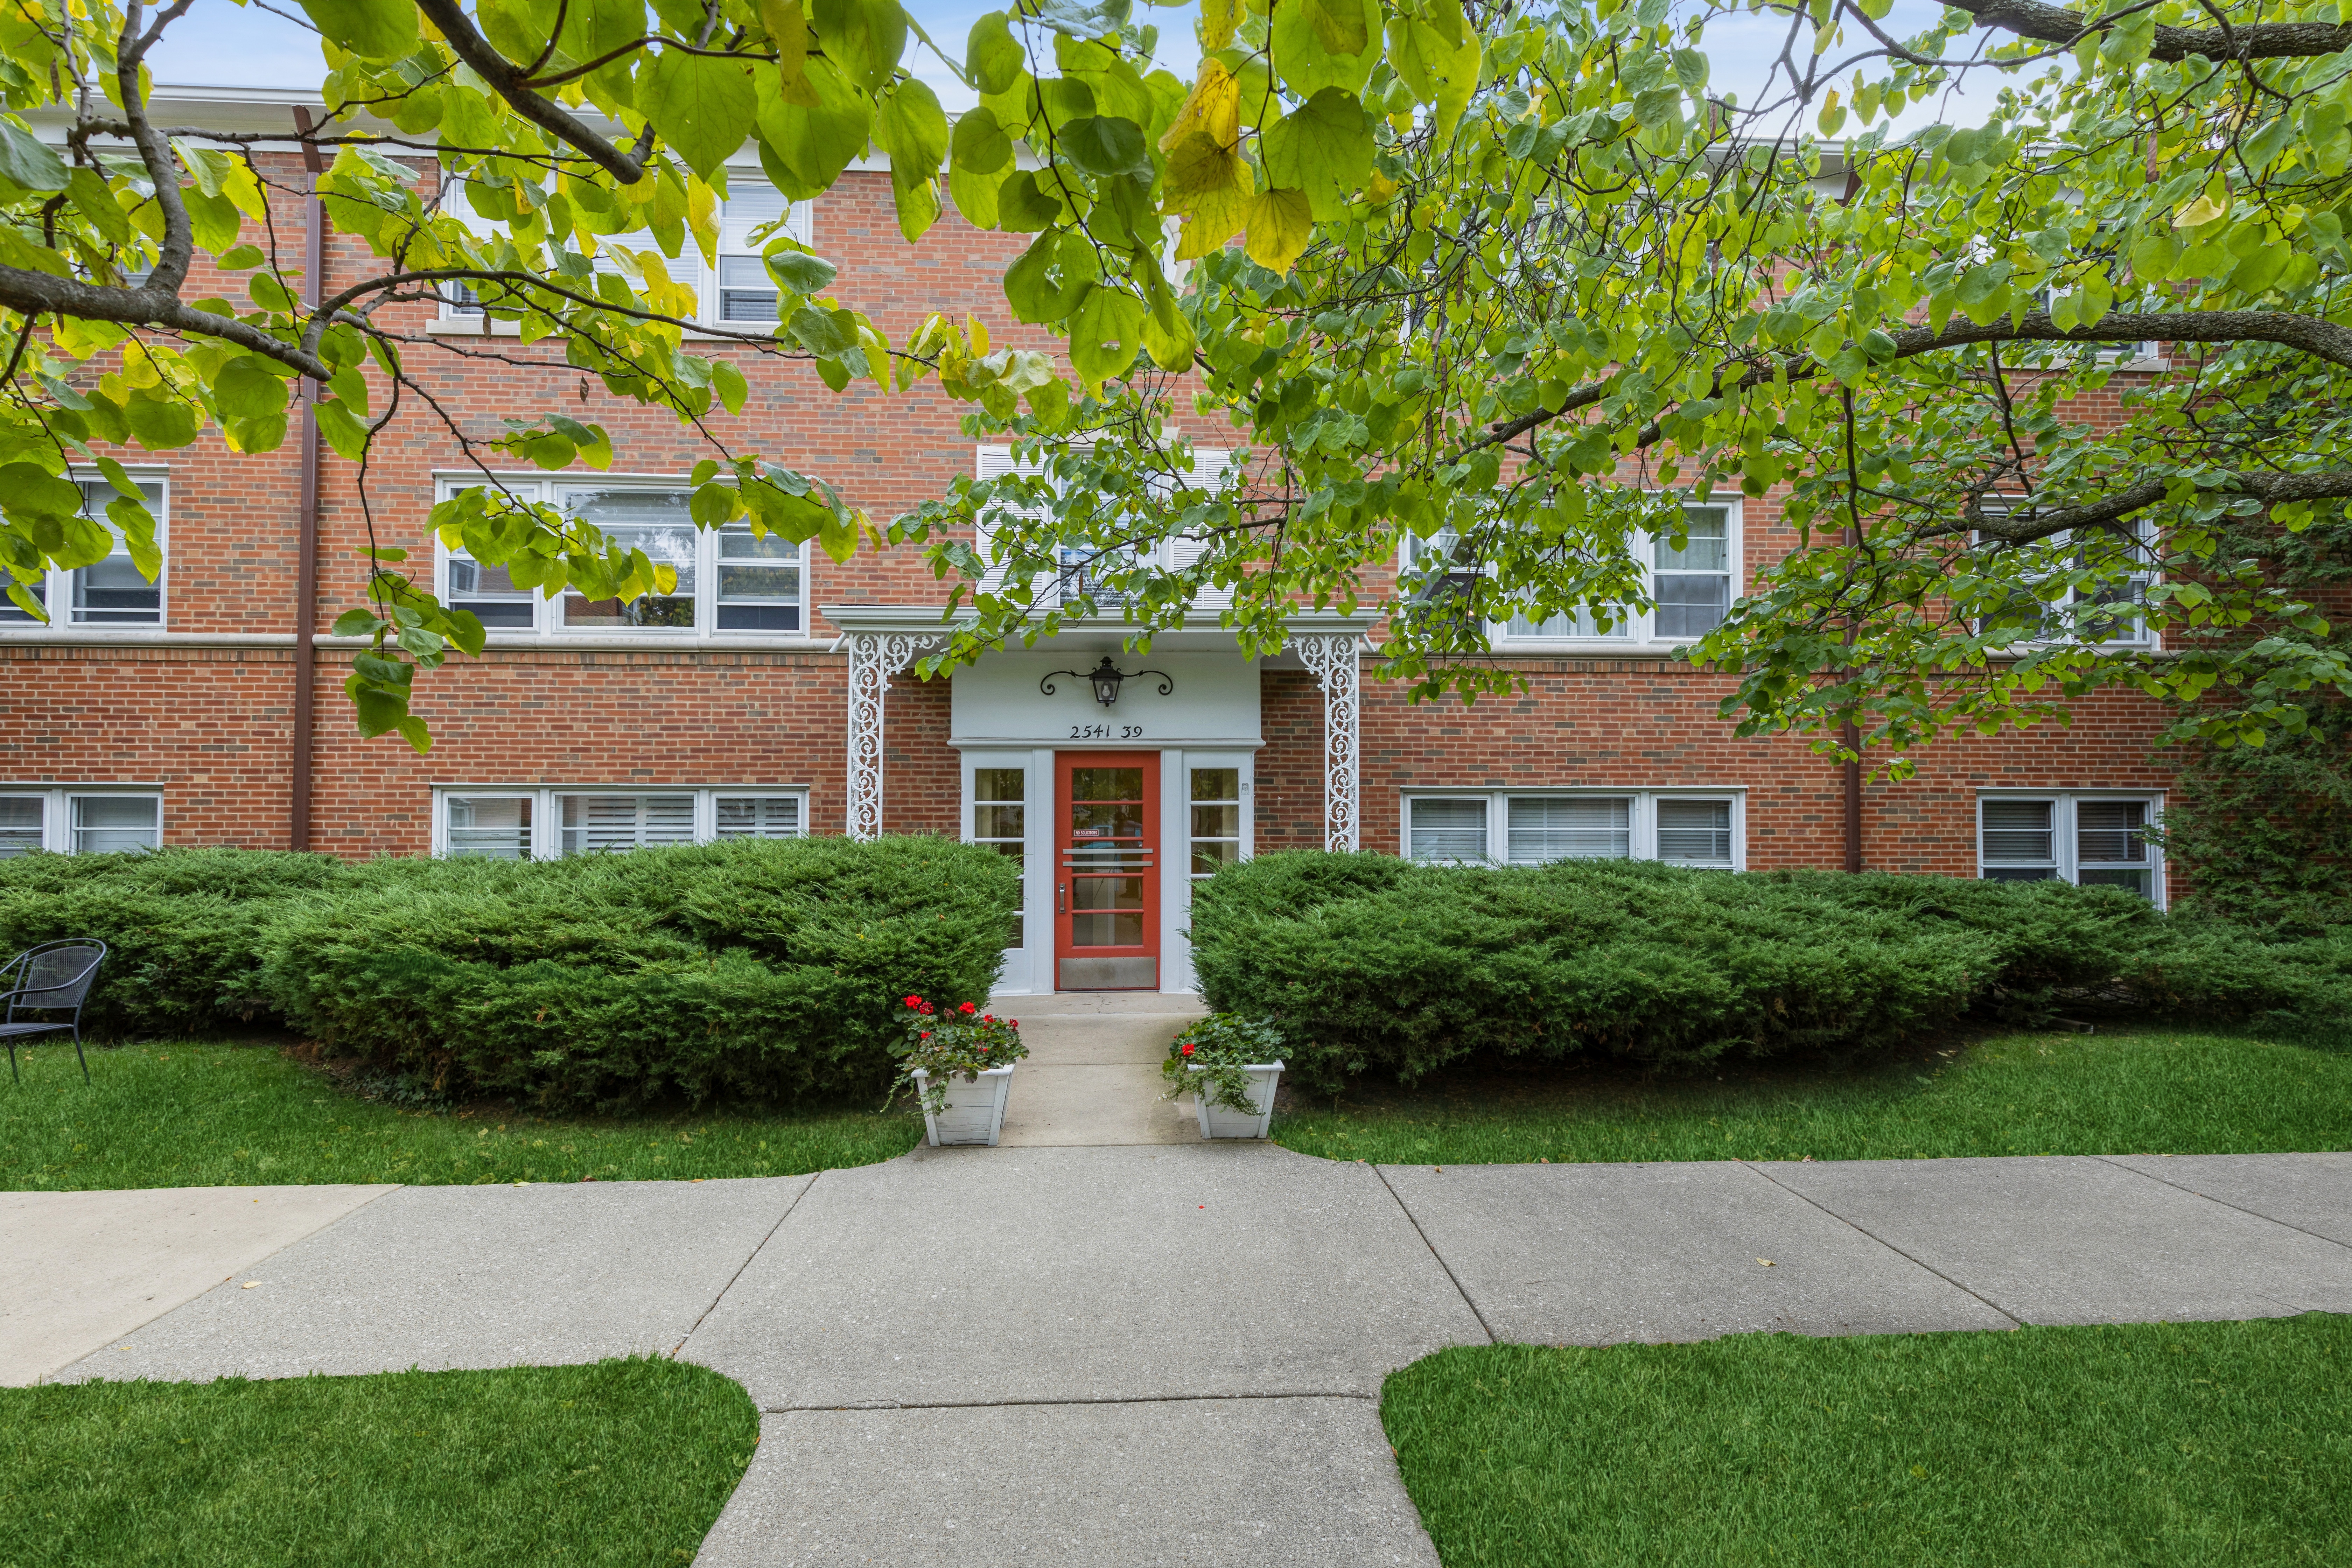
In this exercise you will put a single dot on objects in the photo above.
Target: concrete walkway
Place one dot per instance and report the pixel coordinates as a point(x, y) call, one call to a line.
point(1092, 1075)
point(1173, 1354)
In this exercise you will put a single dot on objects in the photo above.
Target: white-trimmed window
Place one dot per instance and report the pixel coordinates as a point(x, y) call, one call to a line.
point(85, 820)
point(736, 293)
point(2110, 618)
point(506, 823)
point(1215, 823)
point(1212, 469)
point(106, 595)
point(731, 583)
point(1533, 827)
point(1691, 585)
point(2092, 838)
point(999, 819)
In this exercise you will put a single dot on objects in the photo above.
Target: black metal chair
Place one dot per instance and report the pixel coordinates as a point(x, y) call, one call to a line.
point(51, 978)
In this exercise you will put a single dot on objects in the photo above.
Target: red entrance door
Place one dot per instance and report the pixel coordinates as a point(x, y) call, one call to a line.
point(1107, 871)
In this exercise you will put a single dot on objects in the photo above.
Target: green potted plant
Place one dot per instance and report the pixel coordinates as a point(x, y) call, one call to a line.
point(1231, 1065)
point(959, 1065)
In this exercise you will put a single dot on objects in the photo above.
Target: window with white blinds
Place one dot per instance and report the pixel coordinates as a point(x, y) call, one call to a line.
point(731, 583)
point(1568, 827)
point(1212, 470)
point(594, 823)
point(79, 821)
point(2094, 840)
point(111, 593)
point(743, 292)
point(736, 292)
point(1690, 585)
point(1529, 827)
point(514, 824)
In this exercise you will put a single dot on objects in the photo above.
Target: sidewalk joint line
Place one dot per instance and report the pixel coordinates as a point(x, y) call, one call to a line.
point(1863, 1231)
point(2257, 1213)
point(1414, 1220)
point(1008, 1403)
point(755, 1252)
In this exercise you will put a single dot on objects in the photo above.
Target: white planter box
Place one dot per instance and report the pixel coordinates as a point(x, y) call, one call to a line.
point(1221, 1122)
point(975, 1112)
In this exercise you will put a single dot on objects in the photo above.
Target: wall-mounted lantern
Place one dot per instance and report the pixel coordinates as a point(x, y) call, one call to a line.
point(1106, 677)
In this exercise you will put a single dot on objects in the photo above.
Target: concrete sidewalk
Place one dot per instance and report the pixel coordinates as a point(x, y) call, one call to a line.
point(1172, 1353)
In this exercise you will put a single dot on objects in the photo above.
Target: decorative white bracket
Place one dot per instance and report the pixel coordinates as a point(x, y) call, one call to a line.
point(1332, 659)
point(874, 657)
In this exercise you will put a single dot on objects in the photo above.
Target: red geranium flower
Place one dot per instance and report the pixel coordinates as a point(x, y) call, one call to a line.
point(966, 1007)
point(924, 1035)
point(1188, 1047)
point(914, 1000)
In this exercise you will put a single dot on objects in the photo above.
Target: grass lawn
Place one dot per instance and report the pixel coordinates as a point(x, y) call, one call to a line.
point(621, 1462)
point(2149, 1091)
point(2139, 1446)
point(195, 1115)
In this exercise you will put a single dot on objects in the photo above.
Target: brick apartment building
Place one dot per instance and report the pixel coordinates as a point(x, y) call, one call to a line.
point(771, 695)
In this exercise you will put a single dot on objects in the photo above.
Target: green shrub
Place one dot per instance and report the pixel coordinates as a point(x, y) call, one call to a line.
point(755, 970)
point(1373, 964)
point(182, 929)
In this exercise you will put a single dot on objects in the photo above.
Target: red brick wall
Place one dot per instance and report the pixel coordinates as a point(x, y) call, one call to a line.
point(211, 724)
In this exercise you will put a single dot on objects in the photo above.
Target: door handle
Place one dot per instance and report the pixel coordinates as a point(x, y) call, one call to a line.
point(1061, 899)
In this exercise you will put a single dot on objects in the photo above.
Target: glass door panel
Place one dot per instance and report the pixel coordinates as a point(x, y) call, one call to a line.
point(1107, 893)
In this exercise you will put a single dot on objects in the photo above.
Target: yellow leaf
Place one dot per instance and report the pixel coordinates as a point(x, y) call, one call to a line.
point(2198, 213)
point(787, 24)
point(1217, 20)
point(1279, 227)
point(702, 218)
point(1212, 109)
point(1207, 185)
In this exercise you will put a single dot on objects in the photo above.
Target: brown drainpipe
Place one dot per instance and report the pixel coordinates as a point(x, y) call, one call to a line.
point(306, 574)
point(1852, 802)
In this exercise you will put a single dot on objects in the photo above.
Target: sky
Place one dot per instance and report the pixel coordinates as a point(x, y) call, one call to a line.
point(222, 44)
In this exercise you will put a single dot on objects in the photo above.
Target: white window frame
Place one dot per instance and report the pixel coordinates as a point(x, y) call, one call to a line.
point(547, 807)
point(1171, 552)
point(56, 588)
point(547, 614)
point(57, 808)
point(2066, 865)
point(2144, 529)
point(1638, 631)
point(1642, 836)
point(688, 265)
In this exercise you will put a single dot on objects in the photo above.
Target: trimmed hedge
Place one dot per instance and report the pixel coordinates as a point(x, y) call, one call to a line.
point(1375, 964)
point(756, 970)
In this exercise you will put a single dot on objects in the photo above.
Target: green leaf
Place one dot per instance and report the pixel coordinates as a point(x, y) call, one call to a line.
point(991, 55)
point(728, 382)
point(1324, 148)
point(27, 490)
point(245, 389)
point(242, 259)
point(1024, 205)
point(1340, 24)
point(344, 431)
point(1104, 145)
point(91, 199)
point(704, 107)
point(866, 37)
point(913, 129)
point(980, 144)
point(160, 426)
point(798, 272)
point(375, 29)
point(1106, 332)
point(1307, 63)
point(26, 162)
point(805, 150)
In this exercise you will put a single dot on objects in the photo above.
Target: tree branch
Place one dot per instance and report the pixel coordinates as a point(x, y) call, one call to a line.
point(2024, 524)
point(2307, 334)
point(505, 78)
point(2249, 41)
